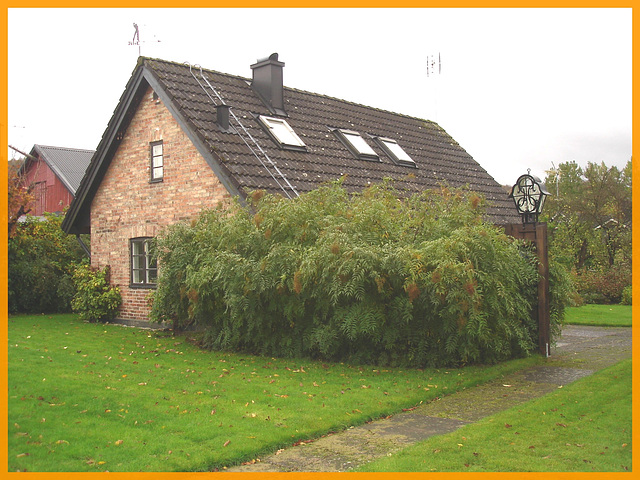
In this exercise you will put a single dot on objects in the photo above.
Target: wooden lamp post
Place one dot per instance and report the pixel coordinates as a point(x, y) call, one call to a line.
point(528, 195)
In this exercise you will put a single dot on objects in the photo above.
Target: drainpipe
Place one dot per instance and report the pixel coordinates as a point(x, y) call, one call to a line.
point(84, 246)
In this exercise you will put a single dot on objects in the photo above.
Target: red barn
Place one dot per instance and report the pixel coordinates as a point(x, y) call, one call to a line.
point(56, 173)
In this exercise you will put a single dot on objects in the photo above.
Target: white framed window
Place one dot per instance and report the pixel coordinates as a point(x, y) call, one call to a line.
point(144, 269)
point(395, 152)
point(282, 132)
point(356, 144)
point(157, 161)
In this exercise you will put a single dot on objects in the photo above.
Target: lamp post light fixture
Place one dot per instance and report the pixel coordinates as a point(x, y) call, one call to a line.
point(529, 194)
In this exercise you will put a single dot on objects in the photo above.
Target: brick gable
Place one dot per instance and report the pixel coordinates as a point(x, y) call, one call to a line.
point(127, 205)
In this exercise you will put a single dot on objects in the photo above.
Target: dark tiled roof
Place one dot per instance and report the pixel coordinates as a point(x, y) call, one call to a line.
point(69, 164)
point(438, 157)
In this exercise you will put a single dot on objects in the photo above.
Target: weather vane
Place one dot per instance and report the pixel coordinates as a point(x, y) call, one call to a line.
point(136, 39)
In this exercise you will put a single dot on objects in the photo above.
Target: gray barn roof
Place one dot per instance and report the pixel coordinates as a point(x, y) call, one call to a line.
point(69, 164)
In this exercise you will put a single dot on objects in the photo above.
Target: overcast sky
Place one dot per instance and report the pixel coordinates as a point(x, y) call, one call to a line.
point(519, 88)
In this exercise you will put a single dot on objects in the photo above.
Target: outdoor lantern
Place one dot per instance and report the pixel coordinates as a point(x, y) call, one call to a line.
point(528, 194)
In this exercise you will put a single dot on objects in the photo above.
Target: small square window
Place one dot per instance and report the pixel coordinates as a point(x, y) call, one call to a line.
point(357, 145)
point(144, 269)
point(157, 162)
point(282, 132)
point(395, 152)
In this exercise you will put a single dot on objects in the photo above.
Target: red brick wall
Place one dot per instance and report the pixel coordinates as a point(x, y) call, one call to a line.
point(127, 205)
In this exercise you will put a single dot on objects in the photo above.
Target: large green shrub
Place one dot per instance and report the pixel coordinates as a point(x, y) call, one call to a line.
point(95, 299)
point(41, 261)
point(360, 277)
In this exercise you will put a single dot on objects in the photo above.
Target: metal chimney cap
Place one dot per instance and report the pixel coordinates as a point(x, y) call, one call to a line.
point(271, 59)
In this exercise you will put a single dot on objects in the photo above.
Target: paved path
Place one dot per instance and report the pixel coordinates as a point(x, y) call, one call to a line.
point(580, 351)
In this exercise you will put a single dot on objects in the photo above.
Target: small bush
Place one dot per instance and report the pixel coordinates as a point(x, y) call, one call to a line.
point(95, 299)
point(359, 277)
point(626, 295)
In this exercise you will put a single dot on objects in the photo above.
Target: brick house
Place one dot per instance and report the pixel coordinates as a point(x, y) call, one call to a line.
point(56, 173)
point(182, 139)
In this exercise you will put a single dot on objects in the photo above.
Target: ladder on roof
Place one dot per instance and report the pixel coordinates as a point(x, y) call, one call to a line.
point(247, 138)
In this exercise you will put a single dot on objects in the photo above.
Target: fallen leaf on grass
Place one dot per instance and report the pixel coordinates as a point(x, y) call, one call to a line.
point(226, 443)
point(119, 442)
point(22, 455)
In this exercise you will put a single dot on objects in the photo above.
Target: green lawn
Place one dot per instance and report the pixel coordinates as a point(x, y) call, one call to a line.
point(94, 397)
point(583, 427)
point(599, 315)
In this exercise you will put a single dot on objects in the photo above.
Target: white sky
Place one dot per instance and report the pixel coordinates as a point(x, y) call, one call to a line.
point(519, 88)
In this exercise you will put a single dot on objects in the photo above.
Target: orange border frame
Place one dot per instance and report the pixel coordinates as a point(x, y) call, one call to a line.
point(634, 4)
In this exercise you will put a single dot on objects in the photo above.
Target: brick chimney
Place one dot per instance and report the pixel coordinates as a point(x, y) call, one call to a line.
point(267, 83)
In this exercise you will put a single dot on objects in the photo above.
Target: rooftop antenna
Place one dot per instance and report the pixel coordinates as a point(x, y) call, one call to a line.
point(434, 69)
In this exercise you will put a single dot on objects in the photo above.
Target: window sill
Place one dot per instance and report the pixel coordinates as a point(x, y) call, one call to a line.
point(143, 286)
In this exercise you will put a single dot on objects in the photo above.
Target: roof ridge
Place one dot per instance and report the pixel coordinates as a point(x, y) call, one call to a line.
point(378, 109)
point(188, 64)
point(65, 148)
point(294, 89)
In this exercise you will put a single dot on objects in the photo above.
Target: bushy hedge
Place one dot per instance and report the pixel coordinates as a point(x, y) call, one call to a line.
point(41, 261)
point(604, 285)
point(359, 277)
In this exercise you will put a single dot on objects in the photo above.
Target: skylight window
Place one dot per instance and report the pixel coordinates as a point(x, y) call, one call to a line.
point(280, 130)
point(357, 145)
point(395, 152)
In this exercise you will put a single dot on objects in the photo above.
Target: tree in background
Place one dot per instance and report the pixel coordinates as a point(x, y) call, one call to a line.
point(589, 217)
point(20, 196)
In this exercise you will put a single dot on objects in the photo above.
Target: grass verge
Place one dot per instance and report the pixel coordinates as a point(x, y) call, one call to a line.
point(95, 397)
point(599, 315)
point(583, 427)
